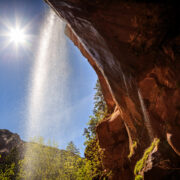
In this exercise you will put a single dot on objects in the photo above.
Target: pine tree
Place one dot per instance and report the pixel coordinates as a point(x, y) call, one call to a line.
point(72, 148)
point(99, 111)
point(99, 102)
point(93, 153)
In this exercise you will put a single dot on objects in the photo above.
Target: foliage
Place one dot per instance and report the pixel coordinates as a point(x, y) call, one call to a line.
point(141, 163)
point(49, 163)
point(132, 148)
point(72, 148)
point(7, 172)
point(93, 153)
point(85, 171)
point(139, 177)
point(43, 161)
point(99, 111)
point(99, 102)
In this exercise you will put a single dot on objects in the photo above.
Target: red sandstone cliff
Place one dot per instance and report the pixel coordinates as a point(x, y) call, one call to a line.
point(134, 47)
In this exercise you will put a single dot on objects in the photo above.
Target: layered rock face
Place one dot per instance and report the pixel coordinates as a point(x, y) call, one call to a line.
point(134, 47)
point(9, 141)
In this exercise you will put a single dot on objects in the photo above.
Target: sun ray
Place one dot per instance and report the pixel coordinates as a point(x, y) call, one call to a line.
point(16, 34)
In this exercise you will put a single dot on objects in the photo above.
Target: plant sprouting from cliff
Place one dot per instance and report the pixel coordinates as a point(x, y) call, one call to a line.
point(141, 164)
point(139, 177)
point(132, 149)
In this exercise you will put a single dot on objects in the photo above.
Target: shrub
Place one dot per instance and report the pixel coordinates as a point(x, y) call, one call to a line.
point(141, 163)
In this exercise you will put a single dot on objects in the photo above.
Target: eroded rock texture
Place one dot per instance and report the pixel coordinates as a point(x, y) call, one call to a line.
point(8, 141)
point(134, 47)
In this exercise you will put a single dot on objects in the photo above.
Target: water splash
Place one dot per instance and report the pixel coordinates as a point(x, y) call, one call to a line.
point(48, 92)
point(146, 116)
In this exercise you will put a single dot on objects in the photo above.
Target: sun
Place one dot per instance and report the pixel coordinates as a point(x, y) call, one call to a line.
point(17, 36)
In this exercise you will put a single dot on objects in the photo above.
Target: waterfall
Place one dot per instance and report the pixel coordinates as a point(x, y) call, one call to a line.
point(48, 92)
point(125, 83)
point(146, 116)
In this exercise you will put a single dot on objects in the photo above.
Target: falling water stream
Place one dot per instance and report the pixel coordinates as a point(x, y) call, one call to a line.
point(48, 83)
point(146, 116)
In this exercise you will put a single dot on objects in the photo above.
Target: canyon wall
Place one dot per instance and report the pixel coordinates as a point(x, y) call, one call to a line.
point(134, 47)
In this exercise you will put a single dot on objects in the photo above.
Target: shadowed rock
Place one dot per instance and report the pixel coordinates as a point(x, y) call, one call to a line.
point(8, 141)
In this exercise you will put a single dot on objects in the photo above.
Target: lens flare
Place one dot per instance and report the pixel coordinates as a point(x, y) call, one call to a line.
point(17, 36)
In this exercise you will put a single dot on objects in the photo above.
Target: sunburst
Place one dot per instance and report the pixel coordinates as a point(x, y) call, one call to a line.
point(16, 34)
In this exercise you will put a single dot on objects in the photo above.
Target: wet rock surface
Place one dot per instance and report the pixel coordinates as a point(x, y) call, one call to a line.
point(134, 47)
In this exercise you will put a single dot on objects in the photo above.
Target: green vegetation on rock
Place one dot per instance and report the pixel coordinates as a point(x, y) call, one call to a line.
point(132, 149)
point(141, 163)
point(139, 177)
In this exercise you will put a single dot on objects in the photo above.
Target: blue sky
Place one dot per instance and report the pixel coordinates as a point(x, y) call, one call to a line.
point(15, 72)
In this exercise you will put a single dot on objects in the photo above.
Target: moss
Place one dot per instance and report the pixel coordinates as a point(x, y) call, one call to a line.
point(132, 148)
point(139, 177)
point(141, 163)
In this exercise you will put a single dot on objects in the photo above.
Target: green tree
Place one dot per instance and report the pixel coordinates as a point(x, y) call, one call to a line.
point(99, 112)
point(41, 162)
point(73, 161)
point(49, 163)
point(7, 171)
point(99, 102)
point(93, 167)
point(72, 148)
